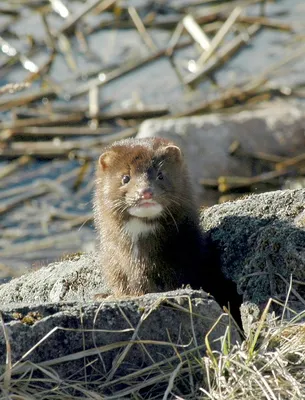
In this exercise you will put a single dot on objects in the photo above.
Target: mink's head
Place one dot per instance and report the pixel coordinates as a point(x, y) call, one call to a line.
point(142, 178)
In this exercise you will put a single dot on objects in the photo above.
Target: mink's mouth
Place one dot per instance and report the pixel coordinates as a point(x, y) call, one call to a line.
point(146, 209)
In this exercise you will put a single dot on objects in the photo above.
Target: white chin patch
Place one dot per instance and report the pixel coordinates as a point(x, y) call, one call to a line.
point(136, 227)
point(142, 211)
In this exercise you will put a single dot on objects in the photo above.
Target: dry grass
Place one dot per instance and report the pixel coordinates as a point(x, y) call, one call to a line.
point(268, 364)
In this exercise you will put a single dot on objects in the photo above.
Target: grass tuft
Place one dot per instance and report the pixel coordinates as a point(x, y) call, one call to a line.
point(267, 365)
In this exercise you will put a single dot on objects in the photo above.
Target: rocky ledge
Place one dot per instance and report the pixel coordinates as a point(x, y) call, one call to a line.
point(50, 316)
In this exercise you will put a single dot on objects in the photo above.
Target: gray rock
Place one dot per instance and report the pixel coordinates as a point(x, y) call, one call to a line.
point(71, 280)
point(261, 240)
point(99, 335)
point(205, 140)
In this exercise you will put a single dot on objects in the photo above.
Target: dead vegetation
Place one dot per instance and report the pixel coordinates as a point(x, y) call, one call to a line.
point(269, 363)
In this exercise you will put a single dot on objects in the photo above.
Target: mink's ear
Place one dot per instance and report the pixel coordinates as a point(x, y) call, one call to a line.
point(105, 160)
point(173, 152)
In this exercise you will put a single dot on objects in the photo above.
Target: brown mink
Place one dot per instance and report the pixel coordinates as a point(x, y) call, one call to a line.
point(147, 222)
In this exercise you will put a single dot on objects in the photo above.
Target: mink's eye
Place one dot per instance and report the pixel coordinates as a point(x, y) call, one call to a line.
point(160, 176)
point(125, 179)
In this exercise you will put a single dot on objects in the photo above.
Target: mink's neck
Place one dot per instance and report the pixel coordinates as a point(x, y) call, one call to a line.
point(148, 239)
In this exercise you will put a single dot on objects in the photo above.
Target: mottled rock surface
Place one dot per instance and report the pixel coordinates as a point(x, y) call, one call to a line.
point(205, 140)
point(99, 335)
point(78, 279)
point(261, 241)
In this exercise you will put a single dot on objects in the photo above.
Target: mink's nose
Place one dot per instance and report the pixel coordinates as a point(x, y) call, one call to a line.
point(146, 193)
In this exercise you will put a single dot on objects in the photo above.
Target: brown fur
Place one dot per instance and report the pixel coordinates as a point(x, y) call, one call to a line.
point(176, 252)
point(146, 268)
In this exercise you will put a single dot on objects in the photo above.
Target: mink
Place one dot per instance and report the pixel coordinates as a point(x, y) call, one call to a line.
point(147, 222)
